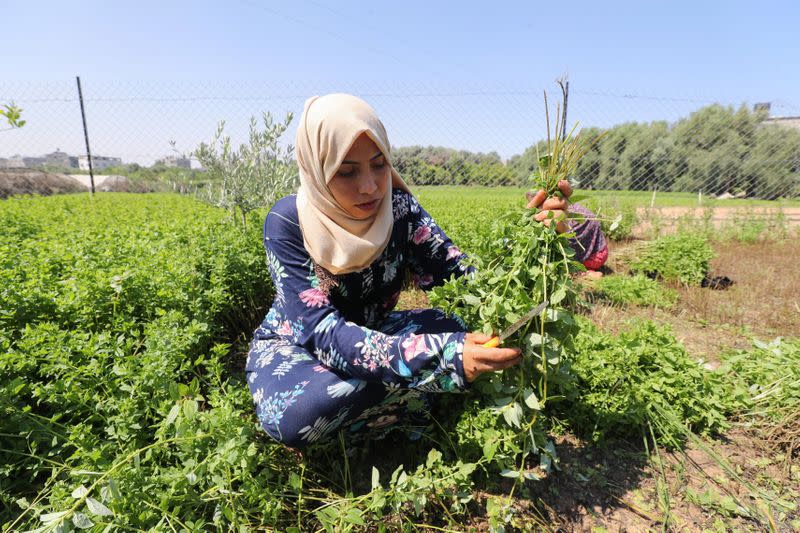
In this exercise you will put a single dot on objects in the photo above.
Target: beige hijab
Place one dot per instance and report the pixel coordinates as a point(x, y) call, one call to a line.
point(334, 239)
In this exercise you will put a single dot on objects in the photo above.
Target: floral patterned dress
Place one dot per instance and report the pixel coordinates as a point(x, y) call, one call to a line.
point(342, 358)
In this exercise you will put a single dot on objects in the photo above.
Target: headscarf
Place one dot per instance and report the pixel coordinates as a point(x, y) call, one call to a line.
point(335, 240)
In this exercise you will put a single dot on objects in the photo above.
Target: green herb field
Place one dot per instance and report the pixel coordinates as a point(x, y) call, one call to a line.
point(124, 322)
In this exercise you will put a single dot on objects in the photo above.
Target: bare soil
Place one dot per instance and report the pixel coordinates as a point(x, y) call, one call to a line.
point(28, 181)
point(15, 182)
point(620, 488)
point(764, 301)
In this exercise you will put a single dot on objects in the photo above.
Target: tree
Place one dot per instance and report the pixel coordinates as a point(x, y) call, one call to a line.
point(773, 169)
point(710, 148)
point(255, 175)
point(587, 171)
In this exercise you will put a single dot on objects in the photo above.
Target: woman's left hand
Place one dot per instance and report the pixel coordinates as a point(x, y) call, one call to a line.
point(553, 208)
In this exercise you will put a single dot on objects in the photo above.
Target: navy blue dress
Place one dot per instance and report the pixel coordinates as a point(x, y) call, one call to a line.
point(331, 358)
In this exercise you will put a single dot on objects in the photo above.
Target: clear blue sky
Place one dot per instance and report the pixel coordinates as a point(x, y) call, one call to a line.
point(667, 57)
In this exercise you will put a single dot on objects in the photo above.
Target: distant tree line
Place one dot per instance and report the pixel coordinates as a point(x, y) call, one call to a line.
point(435, 165)
point(715, 150)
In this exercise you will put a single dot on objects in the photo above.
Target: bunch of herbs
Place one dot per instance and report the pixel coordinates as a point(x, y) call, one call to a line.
point(682, 258)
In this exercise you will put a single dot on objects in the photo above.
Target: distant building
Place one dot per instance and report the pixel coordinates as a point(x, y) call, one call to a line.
point(766, 107)
point(32, 162)
point(790, 122)
point(61, 159)
point(175, 162)
point(54, 159)
point(15, 161)
point(99, 162)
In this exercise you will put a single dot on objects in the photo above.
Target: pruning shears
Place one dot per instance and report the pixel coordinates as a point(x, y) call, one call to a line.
point(510, 330)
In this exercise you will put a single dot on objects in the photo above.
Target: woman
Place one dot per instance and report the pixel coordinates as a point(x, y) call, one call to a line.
point(331, 354)
point(588, 240)
point(589, 243)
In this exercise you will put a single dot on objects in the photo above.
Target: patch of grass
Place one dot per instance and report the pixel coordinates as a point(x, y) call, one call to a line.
point(766, 377)
point(745, 225)
point(116, 403)
point(682, 257)
point(635, 290)
point(621, 380)
point(751, 228)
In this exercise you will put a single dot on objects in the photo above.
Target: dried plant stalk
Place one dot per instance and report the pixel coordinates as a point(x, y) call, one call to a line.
point(563, 154)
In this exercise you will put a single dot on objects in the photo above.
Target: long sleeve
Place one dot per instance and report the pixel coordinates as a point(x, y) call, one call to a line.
point(434, 257)
point(303, 313)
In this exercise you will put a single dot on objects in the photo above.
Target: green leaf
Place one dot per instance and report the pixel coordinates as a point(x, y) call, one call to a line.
point(419, 500)
point(472, 300)
point(513, 474)
point(513, 414)
point(531, 400)
point(295, 482)
point(544, 161)
point(615, 223)
point(189, 408)
point(115, 492)
point(49, 518)
point(395, 475)
point(81, 521)
point(173, 414)
point(531, 475)
point(559, 294)
point(490, 444)
point(534, 339)
point(434, 456)
point(376, 478)
point(80, 491)
point(354, 517)
point(98, 508)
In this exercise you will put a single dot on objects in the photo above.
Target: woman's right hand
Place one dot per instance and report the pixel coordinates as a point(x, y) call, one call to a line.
point(477, 359)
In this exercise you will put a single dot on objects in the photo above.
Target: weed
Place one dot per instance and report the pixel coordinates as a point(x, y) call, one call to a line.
point(682, 257)
point(766, 378)
point(620, 380)
point(617, 219)
point(635, 290)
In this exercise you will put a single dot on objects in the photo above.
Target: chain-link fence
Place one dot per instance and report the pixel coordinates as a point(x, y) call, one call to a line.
point(440, 134)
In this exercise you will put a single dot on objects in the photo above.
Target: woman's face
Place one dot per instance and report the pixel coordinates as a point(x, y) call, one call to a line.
point(361, 181)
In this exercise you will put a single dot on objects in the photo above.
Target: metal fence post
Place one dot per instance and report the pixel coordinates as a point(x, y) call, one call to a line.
point(85, 134)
